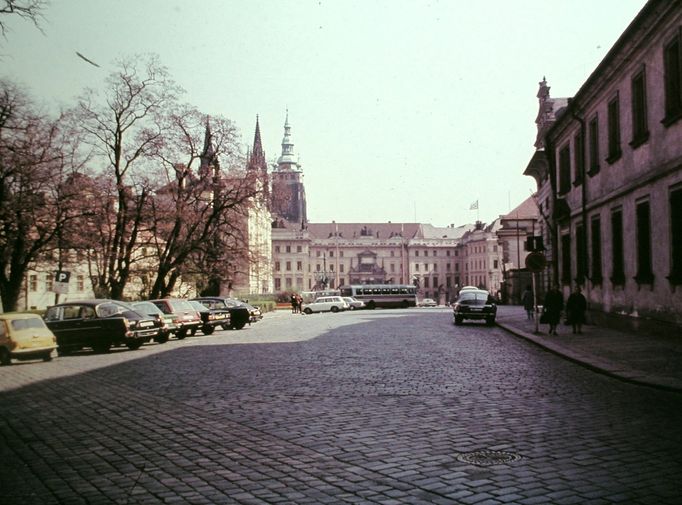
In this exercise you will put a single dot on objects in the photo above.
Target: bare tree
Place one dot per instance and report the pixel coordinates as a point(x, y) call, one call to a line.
point(37, 157)
point(126, 128)
point(195, 228)
point(30, 10)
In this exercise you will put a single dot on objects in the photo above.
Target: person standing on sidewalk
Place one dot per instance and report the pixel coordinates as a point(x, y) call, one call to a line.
point(576, 305)
point(554, 304)
point(528, 302)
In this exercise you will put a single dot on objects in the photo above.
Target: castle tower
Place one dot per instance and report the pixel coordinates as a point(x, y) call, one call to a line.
point(288, 192)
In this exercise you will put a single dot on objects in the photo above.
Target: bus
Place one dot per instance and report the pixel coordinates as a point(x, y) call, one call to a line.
point(382, 295)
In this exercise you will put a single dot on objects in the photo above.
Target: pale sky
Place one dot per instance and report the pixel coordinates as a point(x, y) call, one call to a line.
point(400, 110)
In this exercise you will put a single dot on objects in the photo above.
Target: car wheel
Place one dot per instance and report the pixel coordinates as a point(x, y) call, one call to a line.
point(101, 348)
point(308, 310)
point(134, 345)
point(47, 356)
point(335, 308)
point(63, 351)
point(226, 326)
point(458, 320)
point(239, 325)
point(181, 334)
point(207, 330)
point(163, 338)
point(193, 332)
point(5, 357)
point(490, 321)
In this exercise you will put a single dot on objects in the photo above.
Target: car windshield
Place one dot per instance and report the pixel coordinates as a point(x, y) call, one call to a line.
point(146, 308)
point(181, 306)
point(25, 324)
point(198, 306)
point(473, 298)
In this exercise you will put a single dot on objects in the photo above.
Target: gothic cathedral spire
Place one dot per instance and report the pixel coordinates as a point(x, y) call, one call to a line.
point(257, 155)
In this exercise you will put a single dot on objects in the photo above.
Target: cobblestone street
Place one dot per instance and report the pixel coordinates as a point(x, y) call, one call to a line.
point(359, 407)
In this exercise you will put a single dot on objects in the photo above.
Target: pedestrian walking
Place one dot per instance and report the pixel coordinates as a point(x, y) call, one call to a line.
point(294, 303)
point(576, 305)
point(554, 304)
point(528, 303)
point(299, 303)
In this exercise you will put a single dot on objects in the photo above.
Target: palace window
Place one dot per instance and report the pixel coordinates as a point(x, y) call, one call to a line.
point(672, 75)
point(614, 130)
point(645, 274)
point(617, 255)
point(565, 169)
point(581, 259)
point(596, 250)
point(675, 276)
point(593, 135)
point(640, 122)
point(566, 258)
point(578, 159)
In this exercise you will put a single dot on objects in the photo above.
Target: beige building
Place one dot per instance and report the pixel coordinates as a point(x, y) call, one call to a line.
point(613, 175)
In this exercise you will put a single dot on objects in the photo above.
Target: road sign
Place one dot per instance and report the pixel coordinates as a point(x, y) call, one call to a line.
point(536, 262)
point(62, 276)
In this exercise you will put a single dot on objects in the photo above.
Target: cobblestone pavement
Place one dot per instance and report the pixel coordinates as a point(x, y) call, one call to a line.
point(361, 407)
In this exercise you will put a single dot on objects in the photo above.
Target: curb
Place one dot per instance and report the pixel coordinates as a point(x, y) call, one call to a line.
point(603, 366)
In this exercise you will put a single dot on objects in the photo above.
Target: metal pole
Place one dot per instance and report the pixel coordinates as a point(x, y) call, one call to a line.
point(535, 304)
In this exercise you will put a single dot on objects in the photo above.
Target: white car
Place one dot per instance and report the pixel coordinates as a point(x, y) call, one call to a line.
point(428, 302)
point(325, 304)
point(353, 303)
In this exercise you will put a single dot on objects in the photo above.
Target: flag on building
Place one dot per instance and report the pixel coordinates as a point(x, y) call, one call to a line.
point(474, 206)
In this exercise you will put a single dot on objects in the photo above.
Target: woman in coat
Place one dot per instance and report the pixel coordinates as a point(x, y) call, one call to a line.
point(576, 305)
point(554, 304)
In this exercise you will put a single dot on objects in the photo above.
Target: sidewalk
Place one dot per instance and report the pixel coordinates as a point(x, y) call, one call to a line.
point(648, 360)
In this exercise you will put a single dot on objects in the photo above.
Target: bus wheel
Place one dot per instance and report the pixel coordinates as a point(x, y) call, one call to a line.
point(371, 305)
point(405, 304)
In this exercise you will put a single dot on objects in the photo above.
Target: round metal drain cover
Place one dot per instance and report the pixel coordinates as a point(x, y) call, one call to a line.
point(488, 458)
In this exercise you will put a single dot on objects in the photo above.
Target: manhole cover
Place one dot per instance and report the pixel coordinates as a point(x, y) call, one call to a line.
point(488, 458)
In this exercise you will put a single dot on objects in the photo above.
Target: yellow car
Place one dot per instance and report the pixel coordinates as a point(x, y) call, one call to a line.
point(25, 336)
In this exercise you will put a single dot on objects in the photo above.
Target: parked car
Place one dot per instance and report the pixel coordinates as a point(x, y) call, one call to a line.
point(239, 315)
point(211, 317)
point(25, 336)
point(186, 318)
point(168, 325)
point(476, 304)
point(354, 303)
point(428, 302)
point(99, 324)
point(325, 304)
point(254, 312)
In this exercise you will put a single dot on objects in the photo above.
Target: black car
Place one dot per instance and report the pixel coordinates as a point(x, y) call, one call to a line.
point(99, 324)
point(211, 317)
point(476, 304)
point(239, 315)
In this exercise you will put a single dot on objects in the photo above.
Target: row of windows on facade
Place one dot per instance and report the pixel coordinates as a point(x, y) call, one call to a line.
point(434, 252)
point(475, 265)
point(49, 282)
point(425, 282)
point(672, 82)
point(642, 246)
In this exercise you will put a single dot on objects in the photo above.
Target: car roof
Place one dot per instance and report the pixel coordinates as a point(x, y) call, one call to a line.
point(19, 315)
point(89, 301)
